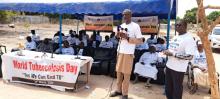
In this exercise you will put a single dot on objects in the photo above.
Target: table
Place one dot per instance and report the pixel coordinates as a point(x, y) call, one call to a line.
point(38, 68)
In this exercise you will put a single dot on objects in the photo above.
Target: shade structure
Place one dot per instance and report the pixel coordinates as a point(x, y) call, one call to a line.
point(159, 8)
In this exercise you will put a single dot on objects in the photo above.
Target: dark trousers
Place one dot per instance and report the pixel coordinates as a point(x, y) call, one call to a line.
point(174, 84)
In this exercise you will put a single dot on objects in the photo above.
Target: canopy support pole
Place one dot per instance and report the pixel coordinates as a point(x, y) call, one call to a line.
point(175, 25)
point(60, 34)
point(168, 29)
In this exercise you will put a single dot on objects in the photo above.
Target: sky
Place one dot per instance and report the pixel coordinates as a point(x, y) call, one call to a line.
point(184, 5)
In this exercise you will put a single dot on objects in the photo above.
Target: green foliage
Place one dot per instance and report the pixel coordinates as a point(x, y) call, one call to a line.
point(213, 15)
point(163, 21)
point(6, 15)
point(190, 15)
point(178, 18)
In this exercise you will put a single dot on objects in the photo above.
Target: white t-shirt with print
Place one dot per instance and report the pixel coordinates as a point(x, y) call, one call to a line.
point(200, 60)
point(182, 44)
point(133, 31)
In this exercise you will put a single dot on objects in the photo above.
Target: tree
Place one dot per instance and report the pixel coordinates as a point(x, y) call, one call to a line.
point(203, 34)
point(190, 15)
point(178, 18)
point(213, 15)
point(6, 15)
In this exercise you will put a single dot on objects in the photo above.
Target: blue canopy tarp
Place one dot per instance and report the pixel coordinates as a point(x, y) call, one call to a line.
point(164, 9)
point(159, 8)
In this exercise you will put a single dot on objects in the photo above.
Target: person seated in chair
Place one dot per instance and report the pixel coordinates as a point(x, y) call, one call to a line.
point(57, 36)
point(160, 46)
point(106, 43)
point(142, 46)
point(113, 39)
point(45, 46)
point(81, 50)
point(200, 69)
point(152, 39)
point(146, 66)
point(30, 44)
point(35, 37)
point(98, 36)
point(67, 49)
point(71, 39)
point(93, 42)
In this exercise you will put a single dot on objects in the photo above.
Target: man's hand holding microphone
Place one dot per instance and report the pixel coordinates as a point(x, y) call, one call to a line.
point(121, 33)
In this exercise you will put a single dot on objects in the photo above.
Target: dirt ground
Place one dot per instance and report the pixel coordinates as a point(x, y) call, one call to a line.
point(99, 84)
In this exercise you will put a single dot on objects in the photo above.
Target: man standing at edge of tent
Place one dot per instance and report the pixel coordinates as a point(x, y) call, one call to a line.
point(180, 52)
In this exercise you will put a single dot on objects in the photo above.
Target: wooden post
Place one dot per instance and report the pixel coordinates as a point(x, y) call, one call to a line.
point(206, 43)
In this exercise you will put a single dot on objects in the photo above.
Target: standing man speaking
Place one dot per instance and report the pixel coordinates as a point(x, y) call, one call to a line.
point(130, 35)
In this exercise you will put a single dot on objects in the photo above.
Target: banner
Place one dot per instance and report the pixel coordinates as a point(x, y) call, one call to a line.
point(98, 23)
point(147, 24)
point(59, 72)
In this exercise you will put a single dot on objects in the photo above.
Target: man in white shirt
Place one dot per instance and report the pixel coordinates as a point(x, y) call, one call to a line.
point(98, 37)
point(113, 39)
point(35, 37)
point(160, 46)
point(71, 39)
point(152, 39)
point(180, 51)
point(200, 69)
point(106, 43)
point(30, 44)
point(146, 67)
point(142, 46)
point(66, 50)
point(128, 39)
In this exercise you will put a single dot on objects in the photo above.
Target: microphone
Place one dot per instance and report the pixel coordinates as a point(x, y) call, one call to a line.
point(118, 28)
point(126, 29)
point(77, 55)
point(52, 49)
point(44, 55)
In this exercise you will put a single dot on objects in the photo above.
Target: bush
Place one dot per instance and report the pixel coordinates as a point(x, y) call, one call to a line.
point(6, 16)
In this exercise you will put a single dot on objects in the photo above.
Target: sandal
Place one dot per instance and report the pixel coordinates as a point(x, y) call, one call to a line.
point(147, 85)
point(193, 90)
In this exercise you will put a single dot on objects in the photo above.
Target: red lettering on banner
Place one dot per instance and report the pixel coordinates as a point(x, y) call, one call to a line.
point(20, 65)
point(47, 68)
point(71, 68)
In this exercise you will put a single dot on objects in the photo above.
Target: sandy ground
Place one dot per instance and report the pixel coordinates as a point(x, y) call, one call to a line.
point(99, 84)
point(99, 88)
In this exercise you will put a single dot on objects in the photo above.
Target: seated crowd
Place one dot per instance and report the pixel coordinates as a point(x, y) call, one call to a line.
point(95, 41)
point(145, 66)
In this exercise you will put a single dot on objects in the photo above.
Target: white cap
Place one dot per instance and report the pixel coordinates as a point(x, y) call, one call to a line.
point(127, 11)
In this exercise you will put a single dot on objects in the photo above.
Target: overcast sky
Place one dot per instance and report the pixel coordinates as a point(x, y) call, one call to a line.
point(183, 5)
